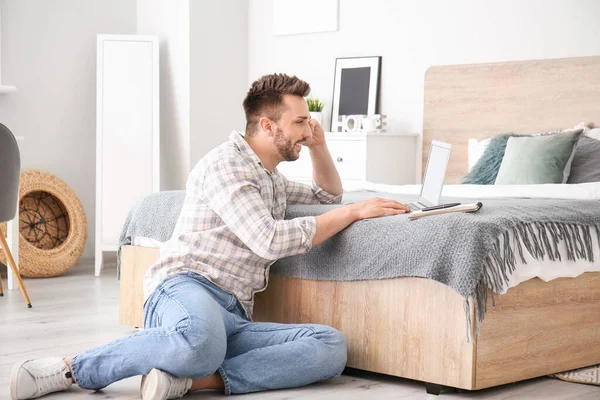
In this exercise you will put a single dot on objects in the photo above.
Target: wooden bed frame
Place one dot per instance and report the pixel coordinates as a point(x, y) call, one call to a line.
point(416, 328)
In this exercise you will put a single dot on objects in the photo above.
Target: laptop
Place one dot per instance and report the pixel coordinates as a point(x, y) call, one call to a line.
point(435, 174)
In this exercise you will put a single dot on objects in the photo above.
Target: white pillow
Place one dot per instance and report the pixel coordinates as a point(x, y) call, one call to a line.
point(582, 125)
point(593, 133)
point(475, 150)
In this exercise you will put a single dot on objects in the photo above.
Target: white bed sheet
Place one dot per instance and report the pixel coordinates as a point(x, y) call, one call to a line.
point(146, 242)
point(581, 191)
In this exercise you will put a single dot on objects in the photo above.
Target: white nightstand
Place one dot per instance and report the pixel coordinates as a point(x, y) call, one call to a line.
point(374, 157)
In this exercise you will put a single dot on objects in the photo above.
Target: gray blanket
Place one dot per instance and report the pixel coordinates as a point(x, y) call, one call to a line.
point(154, 217)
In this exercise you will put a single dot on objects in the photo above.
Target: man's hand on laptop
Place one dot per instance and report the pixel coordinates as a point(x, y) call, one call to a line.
point(333, 221)
point(377, 207)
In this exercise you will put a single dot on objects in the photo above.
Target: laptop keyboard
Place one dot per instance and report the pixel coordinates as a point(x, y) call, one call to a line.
point(413, 207)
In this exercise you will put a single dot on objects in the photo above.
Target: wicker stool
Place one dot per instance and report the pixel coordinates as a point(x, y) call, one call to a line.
point(52, 226)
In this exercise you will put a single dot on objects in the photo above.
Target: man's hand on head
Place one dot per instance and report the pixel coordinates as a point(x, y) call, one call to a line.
point(318, 135)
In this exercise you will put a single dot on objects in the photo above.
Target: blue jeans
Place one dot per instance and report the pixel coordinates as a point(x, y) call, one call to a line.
point(193, 329)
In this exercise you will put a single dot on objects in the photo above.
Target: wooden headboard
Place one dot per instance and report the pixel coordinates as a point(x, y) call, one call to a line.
point(482, 100)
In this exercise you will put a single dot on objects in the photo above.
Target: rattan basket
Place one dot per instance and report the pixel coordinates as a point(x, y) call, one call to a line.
point(52, 226)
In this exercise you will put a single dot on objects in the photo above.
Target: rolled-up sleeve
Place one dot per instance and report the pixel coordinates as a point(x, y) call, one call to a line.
point(300, 193)
point(233, 193)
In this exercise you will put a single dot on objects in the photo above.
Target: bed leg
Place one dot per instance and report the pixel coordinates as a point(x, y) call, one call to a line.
point(433, 388)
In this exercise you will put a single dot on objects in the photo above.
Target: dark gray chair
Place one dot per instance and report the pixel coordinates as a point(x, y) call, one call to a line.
point(10, 170)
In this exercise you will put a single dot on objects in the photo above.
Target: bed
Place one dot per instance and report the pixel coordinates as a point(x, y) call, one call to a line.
point(415, 328)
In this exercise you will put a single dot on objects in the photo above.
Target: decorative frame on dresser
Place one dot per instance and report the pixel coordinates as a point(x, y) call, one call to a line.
point(127, 132)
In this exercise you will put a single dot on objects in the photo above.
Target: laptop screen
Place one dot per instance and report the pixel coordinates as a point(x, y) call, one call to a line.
point(433, 181)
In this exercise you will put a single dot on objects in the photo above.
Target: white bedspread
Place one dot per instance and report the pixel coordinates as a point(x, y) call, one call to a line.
point(582, 191)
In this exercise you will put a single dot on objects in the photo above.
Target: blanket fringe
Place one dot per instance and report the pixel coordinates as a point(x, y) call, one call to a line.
point(541, 240)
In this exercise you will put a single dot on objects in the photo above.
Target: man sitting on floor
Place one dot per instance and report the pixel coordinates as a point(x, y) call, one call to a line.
point(198, 333)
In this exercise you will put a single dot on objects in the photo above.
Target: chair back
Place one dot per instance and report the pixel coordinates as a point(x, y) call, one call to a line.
point(10, 169)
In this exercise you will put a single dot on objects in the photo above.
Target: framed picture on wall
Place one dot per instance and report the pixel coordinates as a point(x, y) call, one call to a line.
point(355, 87)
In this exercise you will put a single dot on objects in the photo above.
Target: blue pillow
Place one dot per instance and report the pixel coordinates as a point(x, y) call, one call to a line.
point(486, 169)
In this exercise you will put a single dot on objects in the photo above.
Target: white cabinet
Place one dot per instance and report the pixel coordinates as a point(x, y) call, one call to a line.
point(127, 132)
point(380, 158)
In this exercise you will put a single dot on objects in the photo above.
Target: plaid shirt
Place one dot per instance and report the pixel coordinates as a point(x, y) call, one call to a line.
point(231, 227)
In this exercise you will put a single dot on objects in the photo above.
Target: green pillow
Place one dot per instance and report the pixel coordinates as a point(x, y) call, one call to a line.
point(538, 159)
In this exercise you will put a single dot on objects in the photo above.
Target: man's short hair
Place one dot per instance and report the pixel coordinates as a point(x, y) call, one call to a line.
point(265, 98)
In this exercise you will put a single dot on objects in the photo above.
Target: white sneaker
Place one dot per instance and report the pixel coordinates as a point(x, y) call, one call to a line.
point(34, 378)
point(158, 385)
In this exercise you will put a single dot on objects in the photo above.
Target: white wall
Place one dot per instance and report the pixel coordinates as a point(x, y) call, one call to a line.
point(49, 54)
point(218, 72)
point(170, 20)
point(204, 75)
point(413, 35)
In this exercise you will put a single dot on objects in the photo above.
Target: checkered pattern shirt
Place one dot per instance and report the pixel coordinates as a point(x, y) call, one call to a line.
point(231, 228)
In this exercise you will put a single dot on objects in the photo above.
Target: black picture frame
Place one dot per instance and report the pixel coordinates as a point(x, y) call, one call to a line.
point(356, 86)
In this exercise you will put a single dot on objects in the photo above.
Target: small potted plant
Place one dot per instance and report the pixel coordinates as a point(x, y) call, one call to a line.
point(315, 107)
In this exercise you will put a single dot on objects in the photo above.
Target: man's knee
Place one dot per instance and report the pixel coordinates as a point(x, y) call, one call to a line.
point(336, 356)
point(201, 354)
point(341, 352)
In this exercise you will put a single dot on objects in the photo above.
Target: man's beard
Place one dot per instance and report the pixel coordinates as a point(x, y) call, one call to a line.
point(286, 147)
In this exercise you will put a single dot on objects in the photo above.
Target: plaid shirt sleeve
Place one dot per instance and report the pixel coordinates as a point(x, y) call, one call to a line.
point(233, 193)
point(299, 193)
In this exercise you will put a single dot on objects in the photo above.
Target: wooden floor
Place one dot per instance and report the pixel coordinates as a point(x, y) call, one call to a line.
point(76, 311)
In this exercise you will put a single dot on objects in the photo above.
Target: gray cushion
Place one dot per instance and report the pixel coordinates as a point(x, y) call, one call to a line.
point(586, 162)
point(538, 159)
